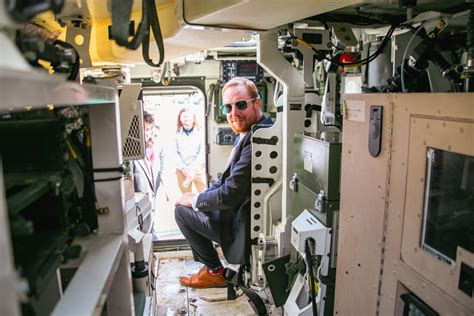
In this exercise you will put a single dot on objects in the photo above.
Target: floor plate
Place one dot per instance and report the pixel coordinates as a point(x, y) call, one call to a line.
point(174, 299)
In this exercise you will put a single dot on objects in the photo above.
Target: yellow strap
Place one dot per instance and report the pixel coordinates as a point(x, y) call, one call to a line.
point(71, 150)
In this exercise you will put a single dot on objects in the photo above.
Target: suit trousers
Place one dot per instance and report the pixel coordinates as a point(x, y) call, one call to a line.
point(200, 229)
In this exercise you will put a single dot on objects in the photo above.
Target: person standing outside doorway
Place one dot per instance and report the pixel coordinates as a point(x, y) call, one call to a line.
point(147, 172)
point(190, 152)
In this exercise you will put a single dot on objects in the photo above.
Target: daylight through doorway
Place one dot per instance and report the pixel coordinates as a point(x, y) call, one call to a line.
point(172, 107)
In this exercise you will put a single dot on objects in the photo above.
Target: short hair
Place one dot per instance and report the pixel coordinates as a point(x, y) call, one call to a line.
point(240, 81)
point(148, 117)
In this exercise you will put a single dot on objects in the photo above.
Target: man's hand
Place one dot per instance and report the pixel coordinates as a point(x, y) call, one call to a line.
point(186, 200)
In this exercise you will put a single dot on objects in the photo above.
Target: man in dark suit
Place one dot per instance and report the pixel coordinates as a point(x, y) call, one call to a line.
point(222, 212)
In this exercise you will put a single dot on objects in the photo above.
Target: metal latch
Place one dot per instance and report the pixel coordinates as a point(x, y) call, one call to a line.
point(320, 203)
point(294, 183)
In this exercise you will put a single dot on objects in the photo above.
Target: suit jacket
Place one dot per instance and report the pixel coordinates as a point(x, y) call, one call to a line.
point(230, 195)
point(143, 177)
point(146, 180)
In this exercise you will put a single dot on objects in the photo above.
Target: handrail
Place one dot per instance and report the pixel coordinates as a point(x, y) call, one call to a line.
point(266, 206)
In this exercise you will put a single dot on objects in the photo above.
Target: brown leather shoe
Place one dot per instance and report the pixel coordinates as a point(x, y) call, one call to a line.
point(203, 279)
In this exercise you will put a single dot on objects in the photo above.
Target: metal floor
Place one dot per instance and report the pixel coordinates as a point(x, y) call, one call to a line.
point(174, 299)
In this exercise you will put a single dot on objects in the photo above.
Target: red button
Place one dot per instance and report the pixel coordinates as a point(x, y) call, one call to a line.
point(347, 58)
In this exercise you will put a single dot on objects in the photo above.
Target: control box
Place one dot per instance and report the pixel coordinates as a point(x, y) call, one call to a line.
point(225, 136)
point(241, 68)
point(307, 226)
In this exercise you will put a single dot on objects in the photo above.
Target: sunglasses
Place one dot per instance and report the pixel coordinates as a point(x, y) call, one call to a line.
point(240, 105)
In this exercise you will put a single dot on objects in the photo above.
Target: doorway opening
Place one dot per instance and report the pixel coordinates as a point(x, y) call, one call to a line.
point(179, 113)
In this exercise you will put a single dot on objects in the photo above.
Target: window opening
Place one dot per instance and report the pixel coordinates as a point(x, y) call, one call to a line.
point(448, 220)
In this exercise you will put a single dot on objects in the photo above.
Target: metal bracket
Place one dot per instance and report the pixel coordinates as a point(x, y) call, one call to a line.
point(78, 34)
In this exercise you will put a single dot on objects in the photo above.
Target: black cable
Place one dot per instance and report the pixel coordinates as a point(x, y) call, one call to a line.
point(120, 29)
point(77, 63)
point(141, 33)
point(309, 255)
point(84, 162)
point(369, 58)
point(379, 50)
point(154, 21)
point(237, 280)
point(366, 76)
point(51, 50)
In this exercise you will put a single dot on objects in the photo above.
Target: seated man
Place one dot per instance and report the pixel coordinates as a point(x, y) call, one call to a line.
point(222, 212)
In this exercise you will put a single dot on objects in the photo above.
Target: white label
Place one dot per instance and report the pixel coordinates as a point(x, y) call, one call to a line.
point(308, 162)
point(352, 84)
point(354, 110)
